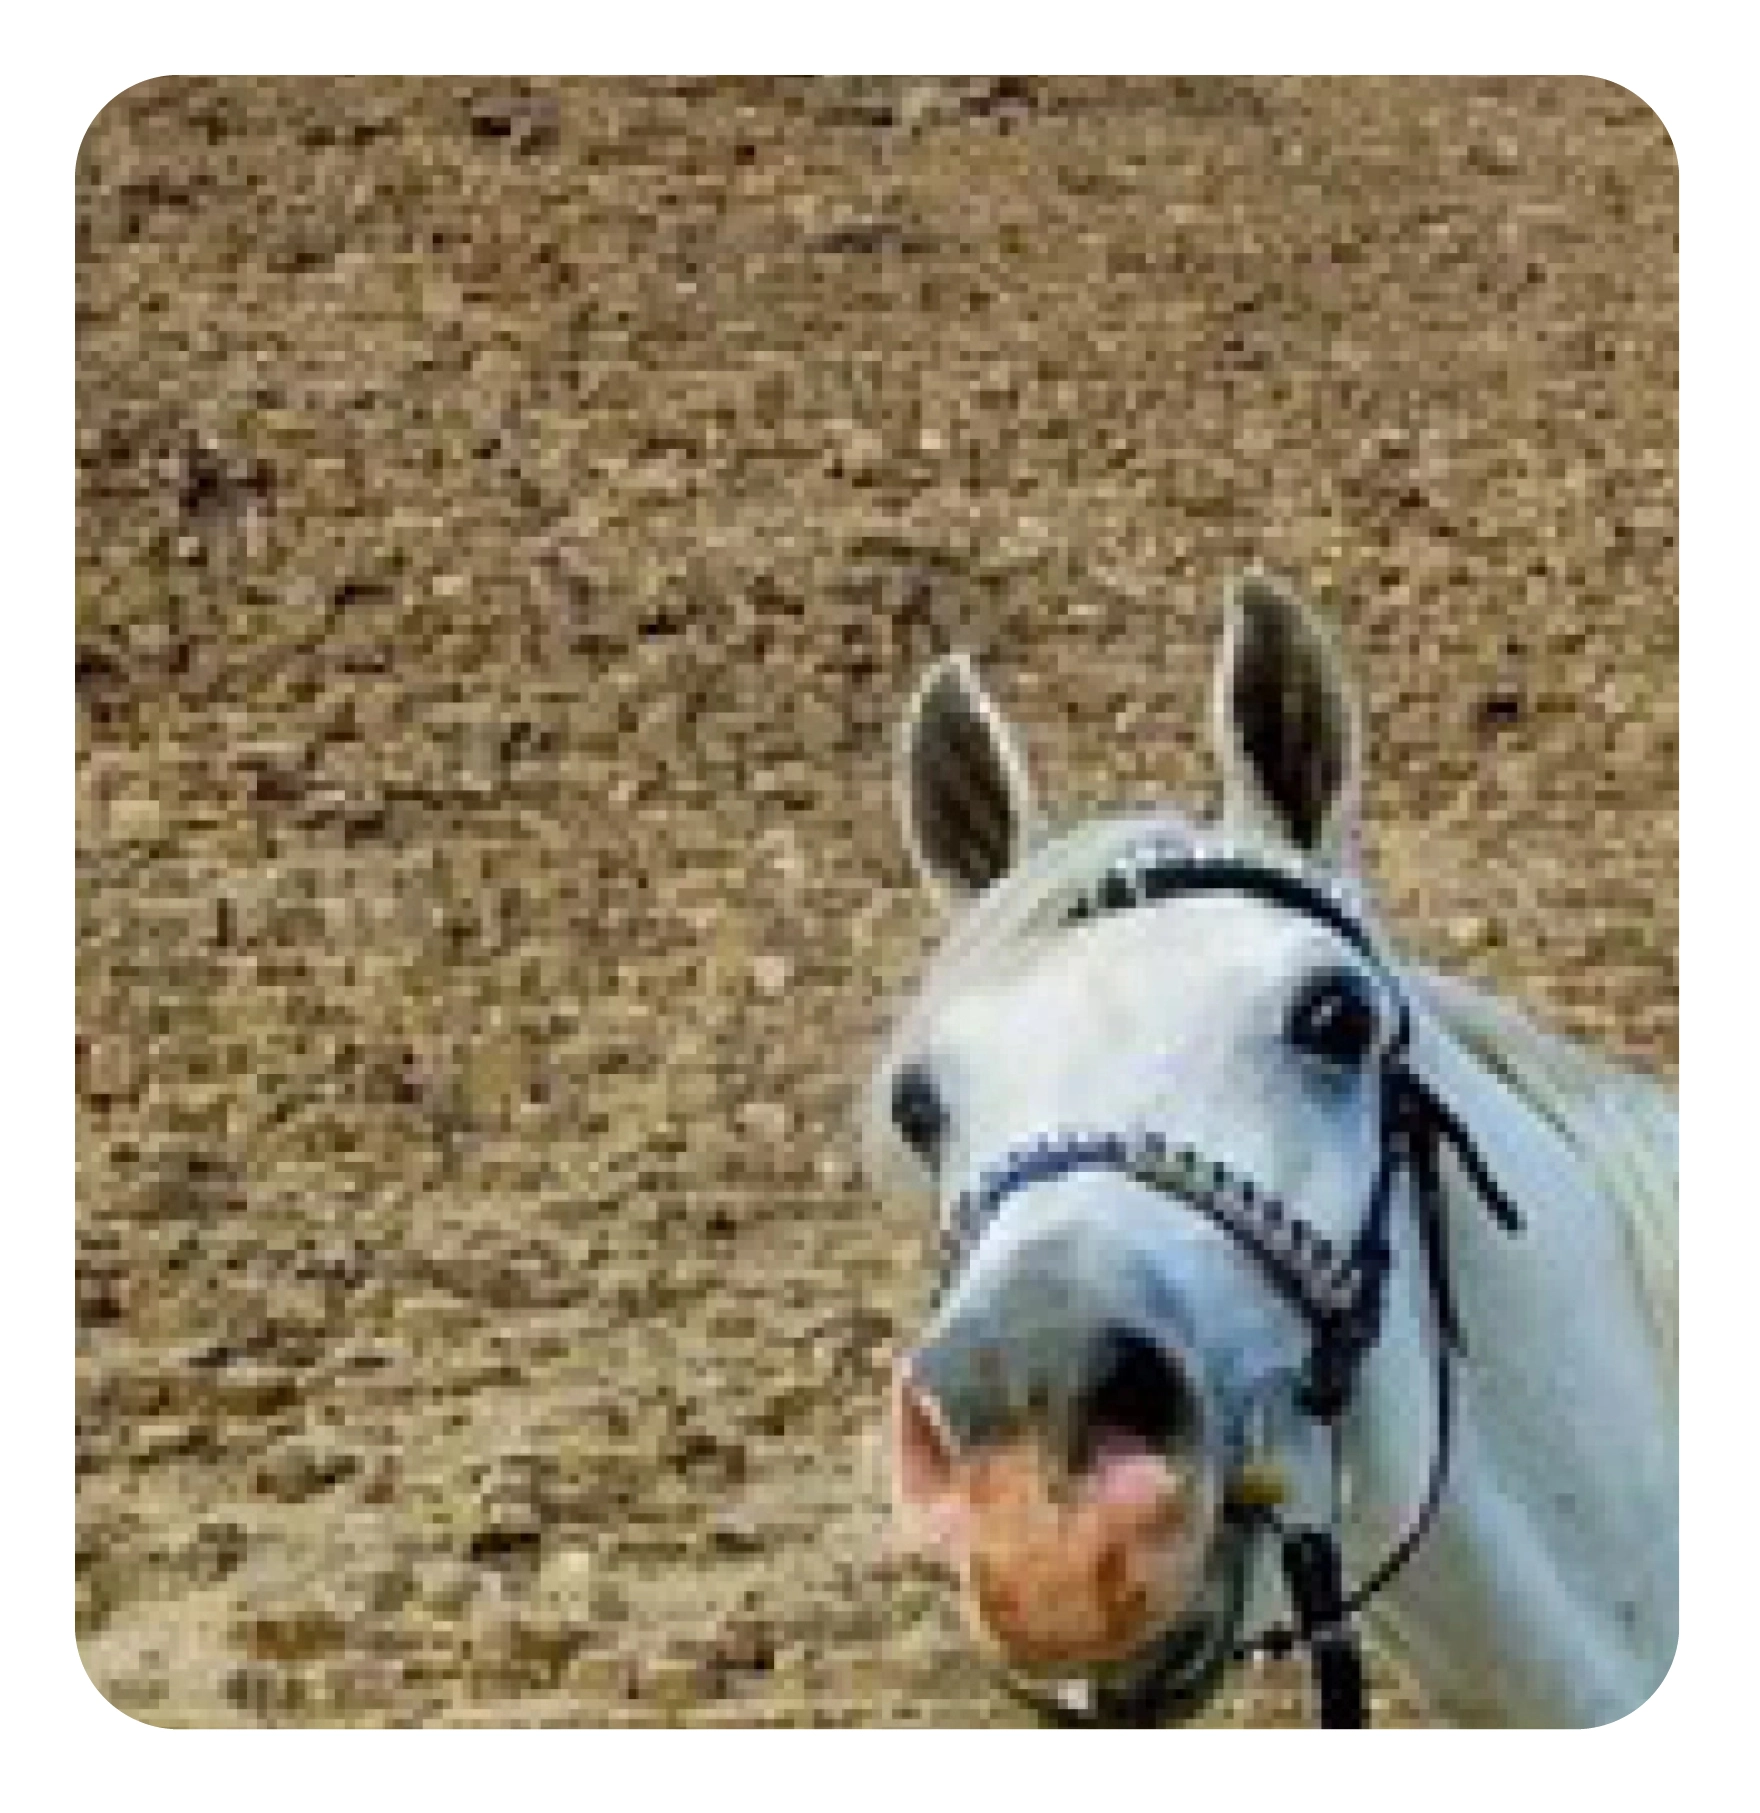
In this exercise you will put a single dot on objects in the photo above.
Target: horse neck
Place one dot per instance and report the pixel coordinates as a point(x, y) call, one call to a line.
point(1545, 1592)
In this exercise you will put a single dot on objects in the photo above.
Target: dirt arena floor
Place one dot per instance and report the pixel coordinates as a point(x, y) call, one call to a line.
point(511, 517)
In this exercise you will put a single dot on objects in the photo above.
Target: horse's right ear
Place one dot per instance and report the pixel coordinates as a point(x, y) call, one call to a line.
point(964, 801)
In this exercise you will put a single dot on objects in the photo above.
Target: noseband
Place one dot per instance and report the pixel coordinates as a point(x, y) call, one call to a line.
point(1339, 1294)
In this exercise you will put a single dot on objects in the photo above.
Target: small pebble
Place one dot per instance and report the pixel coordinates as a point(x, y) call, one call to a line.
point(136, 819)
point(770, 974)
point(764, 1120)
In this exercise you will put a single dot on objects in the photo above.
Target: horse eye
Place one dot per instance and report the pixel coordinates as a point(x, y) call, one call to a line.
point(1334, 1018)
point(917, 1112)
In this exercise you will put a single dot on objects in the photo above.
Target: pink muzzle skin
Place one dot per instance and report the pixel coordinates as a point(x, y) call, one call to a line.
point(1059, 1571)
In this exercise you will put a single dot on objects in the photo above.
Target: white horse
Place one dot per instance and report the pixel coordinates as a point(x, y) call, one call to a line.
point(1218, 1177)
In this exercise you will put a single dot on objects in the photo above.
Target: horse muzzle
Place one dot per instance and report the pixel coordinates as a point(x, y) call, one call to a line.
point(1053, 1445)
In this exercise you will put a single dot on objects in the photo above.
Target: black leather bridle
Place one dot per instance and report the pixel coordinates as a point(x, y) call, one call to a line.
point(1340, 1294)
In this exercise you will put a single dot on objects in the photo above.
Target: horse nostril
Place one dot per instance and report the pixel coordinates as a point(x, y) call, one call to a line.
point(1137, 1391)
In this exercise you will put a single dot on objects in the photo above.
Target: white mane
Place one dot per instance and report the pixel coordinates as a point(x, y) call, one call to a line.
point(1621, 1126)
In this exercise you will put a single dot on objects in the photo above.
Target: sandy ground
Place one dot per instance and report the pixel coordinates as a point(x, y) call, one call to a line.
point(510, 520)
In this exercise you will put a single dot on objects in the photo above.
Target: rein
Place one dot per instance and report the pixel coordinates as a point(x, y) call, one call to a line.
point(1340, 1295)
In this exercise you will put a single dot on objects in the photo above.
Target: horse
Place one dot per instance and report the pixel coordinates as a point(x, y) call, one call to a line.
point(1288, 1292)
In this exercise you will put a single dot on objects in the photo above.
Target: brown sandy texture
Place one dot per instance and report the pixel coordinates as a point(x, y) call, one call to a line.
point(511, 516)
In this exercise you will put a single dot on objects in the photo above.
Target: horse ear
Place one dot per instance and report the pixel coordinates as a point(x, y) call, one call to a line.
point(1285, 725)
point(964, 800)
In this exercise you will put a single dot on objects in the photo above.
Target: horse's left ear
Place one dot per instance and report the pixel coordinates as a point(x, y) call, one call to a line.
point(1285, 724)
point(964, 802)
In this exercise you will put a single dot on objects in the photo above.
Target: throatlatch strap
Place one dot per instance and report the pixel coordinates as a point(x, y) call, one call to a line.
point(1311, 1566)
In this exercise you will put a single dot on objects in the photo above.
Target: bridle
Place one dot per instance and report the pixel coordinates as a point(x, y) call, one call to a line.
point(1339, 1294)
